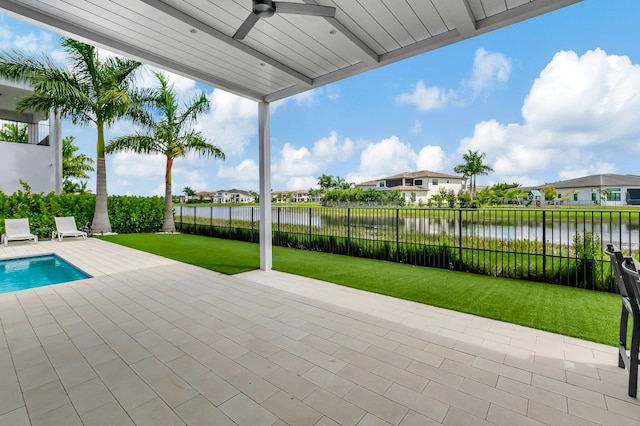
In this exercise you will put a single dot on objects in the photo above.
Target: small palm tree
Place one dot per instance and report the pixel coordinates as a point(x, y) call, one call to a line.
point(171, 136)
point(14, 132)
point(74, 165)
point(188, 192)
point(472, 167)
point(87, 91)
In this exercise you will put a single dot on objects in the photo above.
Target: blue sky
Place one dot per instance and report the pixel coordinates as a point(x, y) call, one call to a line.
point(551, 98)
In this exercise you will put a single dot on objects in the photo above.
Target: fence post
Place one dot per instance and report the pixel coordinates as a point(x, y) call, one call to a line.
point(252, 225)
point(230, 222)
point(459, 266)
point(180, 218)
point(211, 221)
point(349, 231)
point(278, 227)
point(397, 234)
point(310, 229)
point(544, 245)
point(195, 209)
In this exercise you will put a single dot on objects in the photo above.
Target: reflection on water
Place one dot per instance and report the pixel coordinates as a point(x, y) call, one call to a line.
point(527, 226)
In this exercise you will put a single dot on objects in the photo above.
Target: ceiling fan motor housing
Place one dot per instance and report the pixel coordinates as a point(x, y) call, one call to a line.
point(263, 8)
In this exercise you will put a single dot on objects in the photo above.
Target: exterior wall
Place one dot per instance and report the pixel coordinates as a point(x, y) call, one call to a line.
point(453, 184)
point(34, 164)
point(421, 196)
point(585, 196)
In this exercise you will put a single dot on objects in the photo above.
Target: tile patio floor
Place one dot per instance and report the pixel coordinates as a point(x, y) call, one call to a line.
point(151, 341)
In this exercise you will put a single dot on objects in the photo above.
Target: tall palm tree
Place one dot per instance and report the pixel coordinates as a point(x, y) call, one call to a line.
point(87, 91)
point(171, 135)
point(472, 167)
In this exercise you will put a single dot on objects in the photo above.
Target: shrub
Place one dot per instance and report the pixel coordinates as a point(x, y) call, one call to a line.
point(127, 214)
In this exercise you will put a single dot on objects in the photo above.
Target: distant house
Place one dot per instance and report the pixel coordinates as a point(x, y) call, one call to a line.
point(418, 186)
point(224, 196)
point(603, 189)
point(38, 159)
point(297, 196)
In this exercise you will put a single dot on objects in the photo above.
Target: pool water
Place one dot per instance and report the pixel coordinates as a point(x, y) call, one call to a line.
point(38, 271)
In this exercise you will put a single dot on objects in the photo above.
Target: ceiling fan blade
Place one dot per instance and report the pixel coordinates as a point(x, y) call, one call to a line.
point(304, 9)
point(246, 26)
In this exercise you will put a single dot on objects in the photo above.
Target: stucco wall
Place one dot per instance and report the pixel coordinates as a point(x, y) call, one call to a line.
point(34, 164)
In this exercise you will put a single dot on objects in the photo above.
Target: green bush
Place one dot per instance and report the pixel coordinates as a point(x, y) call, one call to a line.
point(127, 214)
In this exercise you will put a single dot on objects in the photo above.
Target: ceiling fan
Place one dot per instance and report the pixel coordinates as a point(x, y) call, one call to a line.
point(266, 9)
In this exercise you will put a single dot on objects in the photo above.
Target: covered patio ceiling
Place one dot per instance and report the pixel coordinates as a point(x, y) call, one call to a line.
point(284, 54)
point(223, 44)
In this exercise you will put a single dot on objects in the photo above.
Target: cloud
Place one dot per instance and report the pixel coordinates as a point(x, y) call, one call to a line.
point(391, 156)
point(417, 127)
point(387, 157)
point(301, 182)
point(301, 165)
point(246, 171)
point(426, 98)
point(489, 68)
point(137, 165)
point(231, 123)
point(575, 104)
point(329, 149)
point(431, 158)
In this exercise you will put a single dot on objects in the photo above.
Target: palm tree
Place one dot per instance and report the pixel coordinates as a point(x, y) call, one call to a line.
point(87, 91)
point(472, 167)
point(74, 165)
point(171, 136)
point(14, 132)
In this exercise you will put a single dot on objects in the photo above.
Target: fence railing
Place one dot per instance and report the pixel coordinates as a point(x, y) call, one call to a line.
point(27, 133)
point(557, 246)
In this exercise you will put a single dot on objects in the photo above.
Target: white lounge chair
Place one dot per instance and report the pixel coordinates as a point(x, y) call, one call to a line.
point(66, 227)
point(17, 229)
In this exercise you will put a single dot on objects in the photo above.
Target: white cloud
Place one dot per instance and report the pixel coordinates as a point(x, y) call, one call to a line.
point(417, 127)
point(246, 171)
point(297, 166)
point(577, 102)
point(585, 100)
point(137, 165)
point(426, 98)
point(387, 157)
point(328, 150)
point(489, 68)
point(193, 178)
point(431, 158)
point(231, 123)
point(301, 182)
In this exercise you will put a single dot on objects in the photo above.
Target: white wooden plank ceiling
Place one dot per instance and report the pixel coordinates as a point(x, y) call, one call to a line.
point(281, 55)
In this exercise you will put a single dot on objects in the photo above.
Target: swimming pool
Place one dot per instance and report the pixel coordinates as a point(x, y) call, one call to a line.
point(37, 271)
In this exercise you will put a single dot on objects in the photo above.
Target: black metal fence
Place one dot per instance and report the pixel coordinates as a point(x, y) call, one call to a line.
point(560, 246)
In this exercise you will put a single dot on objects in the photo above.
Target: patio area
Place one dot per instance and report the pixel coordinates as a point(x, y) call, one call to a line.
point(152, 341)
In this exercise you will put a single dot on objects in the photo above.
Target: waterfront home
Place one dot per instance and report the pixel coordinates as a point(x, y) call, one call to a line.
point(418, 186)
point(603, 189)
point(224, 196)
point(296, 196)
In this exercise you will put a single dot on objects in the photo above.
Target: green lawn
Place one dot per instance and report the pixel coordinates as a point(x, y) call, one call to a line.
point(580, 313)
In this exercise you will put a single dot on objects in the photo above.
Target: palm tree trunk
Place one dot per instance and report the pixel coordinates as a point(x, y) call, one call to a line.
point(168, 224)
point(100, 223)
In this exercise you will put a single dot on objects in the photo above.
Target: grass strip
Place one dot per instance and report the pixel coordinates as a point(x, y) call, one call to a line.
point(573, 312)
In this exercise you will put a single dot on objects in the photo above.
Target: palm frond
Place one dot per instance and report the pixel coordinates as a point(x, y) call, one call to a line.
point(140, 144)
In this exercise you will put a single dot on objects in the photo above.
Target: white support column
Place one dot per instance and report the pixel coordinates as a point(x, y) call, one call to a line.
point(55, 142)
point(264, 134)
